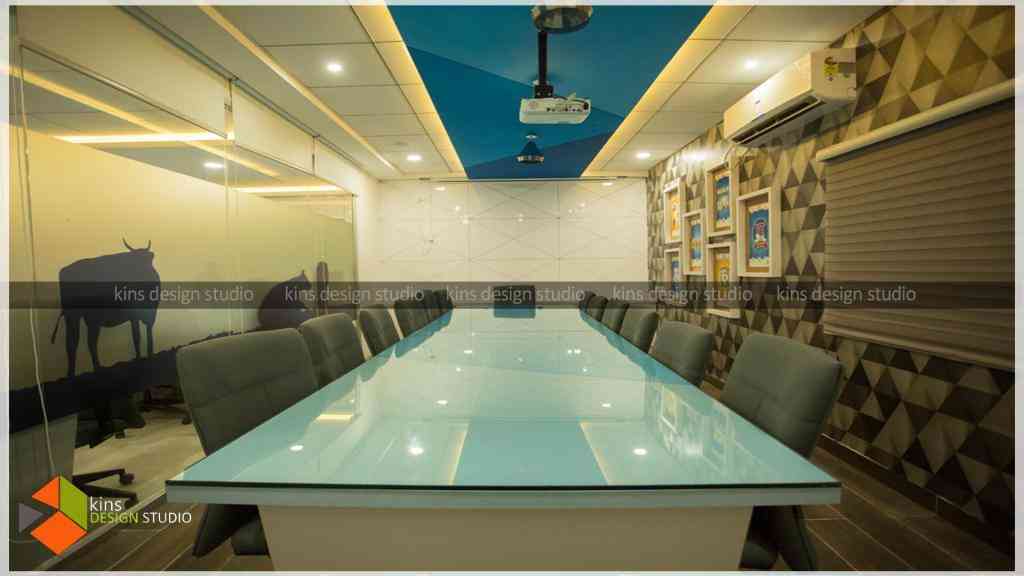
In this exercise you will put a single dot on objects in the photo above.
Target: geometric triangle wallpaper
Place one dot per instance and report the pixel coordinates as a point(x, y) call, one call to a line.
point(941, 425)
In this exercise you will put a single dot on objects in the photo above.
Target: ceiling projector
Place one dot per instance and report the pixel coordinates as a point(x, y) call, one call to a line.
point(554, 110)
point(545, 107)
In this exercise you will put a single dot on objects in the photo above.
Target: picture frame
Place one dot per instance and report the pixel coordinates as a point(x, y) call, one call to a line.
point(721, 269)
point(673, 272)
point(720, 184)
point(694, 227)
point(759, 234)
point(673, 201)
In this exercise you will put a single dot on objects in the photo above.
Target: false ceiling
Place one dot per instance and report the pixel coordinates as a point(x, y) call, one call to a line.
point(478, 62)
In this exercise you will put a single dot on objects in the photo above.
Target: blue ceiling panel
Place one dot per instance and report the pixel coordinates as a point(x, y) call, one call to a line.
point(479, 61)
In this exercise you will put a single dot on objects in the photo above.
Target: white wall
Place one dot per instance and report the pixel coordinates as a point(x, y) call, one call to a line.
point(526, 231)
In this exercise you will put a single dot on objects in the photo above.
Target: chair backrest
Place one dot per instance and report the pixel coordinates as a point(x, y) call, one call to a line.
point(444, 302)
point(410, 315)
point(784, 387)
point(235, 383)
point(638, 326)
point(595, 307)
point(334, 346)
point(683, 347)
point(431, 305)
point(614, 312)
point(587, 295)
point(378, 328)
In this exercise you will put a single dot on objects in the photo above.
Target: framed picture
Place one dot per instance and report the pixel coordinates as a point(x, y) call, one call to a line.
point(672, 198)
point(721, 275)
point(673, 268)
point(693, 243)
point(759, 233)
point(720, 201)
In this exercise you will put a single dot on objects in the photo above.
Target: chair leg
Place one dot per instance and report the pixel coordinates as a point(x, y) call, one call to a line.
point(104, 492)
point(99, 475)
point(82, 482)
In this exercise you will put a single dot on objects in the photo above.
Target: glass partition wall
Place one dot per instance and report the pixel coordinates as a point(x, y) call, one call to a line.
point(134, 232)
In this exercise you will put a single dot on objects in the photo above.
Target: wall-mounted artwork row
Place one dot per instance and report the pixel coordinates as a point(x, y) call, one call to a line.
point(693, 243)
point(721, 259)
point(759, 234)
point(672, 196)
point(673, 268)
point(721, 199)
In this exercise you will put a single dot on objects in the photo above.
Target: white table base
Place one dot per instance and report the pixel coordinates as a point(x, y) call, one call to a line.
point(431, 539)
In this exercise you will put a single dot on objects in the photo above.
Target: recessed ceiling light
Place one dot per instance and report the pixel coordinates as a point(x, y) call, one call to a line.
point(213, 165)
point(296, 447)
point(334, 67)
point(414, 157)
point(640, 451)
point(750, 64)
point(415, 450)
point(606, 405)
point(442, 402)
point(609, 183)
point(439, 188)
point(643, 155)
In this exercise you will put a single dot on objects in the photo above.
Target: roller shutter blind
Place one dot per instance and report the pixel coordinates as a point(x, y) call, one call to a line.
point(931, 207)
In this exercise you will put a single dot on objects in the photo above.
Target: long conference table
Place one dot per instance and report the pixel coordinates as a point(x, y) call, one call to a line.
point(538, 440)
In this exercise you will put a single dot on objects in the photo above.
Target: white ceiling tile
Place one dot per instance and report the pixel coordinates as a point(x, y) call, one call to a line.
point(407, 143)
point(719, 21)
point(430, 164)
point(800, 23)
point(386, 125)
point(681, 122)
point(365, 100)
point(686, 60)
point(627, 161)
point(399, 61)
point(728, 63)
point(276, 25)
point(419, 98)
point(707, 97)
point(656, 96)
point(361, 65)
point(660, 141)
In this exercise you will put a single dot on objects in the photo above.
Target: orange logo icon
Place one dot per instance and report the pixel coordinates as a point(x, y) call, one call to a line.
point(67, 524)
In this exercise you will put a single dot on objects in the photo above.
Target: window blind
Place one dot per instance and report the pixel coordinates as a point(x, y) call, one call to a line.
point(932, 208)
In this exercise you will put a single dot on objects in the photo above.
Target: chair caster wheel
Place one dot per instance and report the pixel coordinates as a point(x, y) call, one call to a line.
point(126, 478)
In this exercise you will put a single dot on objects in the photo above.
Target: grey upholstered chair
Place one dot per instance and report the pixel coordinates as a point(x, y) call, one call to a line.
point(378, 328)
point(614, 312)
point(431, 305)
point(334, 346)
point(638, 326)
point(232, 385)
point(787, 389)
point(444, 302)
point(411, 316)
point(595, 307)
point(587, 295)
point(684, 348)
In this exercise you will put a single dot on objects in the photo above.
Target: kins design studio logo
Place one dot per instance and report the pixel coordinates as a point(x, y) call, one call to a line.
point(69, 520)
point(69, 512)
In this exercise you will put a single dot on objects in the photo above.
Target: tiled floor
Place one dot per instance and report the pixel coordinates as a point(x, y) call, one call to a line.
point(873, 528)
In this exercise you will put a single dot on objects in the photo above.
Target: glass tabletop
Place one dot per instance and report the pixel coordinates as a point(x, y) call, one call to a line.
point(546, 399)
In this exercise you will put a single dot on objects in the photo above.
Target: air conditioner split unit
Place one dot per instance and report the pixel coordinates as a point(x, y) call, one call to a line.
point(807, 89)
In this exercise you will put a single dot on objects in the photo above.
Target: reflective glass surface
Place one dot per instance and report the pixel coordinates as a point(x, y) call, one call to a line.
point(550, 399)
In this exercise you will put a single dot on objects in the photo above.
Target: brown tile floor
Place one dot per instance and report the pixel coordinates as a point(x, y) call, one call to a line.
point(872, 528)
